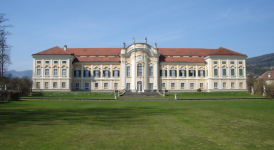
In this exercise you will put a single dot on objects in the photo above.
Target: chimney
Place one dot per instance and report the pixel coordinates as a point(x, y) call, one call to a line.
point(65, 47)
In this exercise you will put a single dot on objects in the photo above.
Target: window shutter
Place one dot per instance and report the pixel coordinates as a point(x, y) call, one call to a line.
point(170, 73)
point(185, 73)
point(74, 73)
point(118, 73)
point(89, 74)
point(93, 73)
point(166, 73)
point(180, 73)
point(99, 73)
point(160, 73)
point(175, 73)
point(80, 73)
point(194, 72)
point(109, 74)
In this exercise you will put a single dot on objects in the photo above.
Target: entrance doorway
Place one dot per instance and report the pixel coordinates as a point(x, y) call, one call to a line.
point(139, 86)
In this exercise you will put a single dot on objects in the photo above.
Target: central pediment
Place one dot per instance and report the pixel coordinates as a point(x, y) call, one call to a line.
point(139, 47)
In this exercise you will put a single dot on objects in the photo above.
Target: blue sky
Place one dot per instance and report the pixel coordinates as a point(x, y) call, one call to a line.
point(245, 26)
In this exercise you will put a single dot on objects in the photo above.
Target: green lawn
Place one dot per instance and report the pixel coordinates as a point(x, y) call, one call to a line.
point(242, 124)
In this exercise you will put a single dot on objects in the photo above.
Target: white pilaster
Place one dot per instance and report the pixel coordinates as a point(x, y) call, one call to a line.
point(124, 74)
point(101, 71)
point(219, 74)
point(156, 75)
point(91, 72)
point(236, 69)
point(133, 73)
point(59, 68)
point(42, 69)
point(51, 72)
point(146, 73)
point(167, 72)
point(196, 71)
point(187, 72)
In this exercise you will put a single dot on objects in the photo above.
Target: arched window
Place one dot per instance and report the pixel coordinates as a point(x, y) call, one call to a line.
point(201, 72)
point(46, 70)
point(55, 71)
point(116, 72)
point(64, 71)
point(182, 72)
point(96, 72)
point(150, 70)
point(192, 72)
point(77, 72)
point(86, 72)
point(106, 72)
point(173, 72)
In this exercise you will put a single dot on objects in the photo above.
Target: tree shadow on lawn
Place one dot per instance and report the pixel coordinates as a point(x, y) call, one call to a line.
point(93, 116)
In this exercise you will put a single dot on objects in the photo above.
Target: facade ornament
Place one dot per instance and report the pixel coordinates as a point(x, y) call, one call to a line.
point(155, 45)
point(146, 40)
point(252, 90)
point(264, 94)
point(124, 44)
point(133, 40)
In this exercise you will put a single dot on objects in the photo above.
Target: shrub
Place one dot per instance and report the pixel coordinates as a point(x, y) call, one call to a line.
point(9, 95)
point(259, 87)
point(269, 93)
point(199, 90)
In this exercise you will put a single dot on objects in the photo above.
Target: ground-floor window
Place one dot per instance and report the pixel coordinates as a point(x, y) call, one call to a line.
point(105, 85)
point(63, 84)
point(192, 85)
point(172, 85)
point(115, 85)
point(128, 86)
point(96, 85)
point(241, 84)
point(182, 85)
point(232, 84)
point(163, 85)
point(46, 85)
point(54, 84)
point(77, 85)
point(150, 86)
point(224, 85)
point(86, 85)
point(201, 85)
point(38, 85)
point(215, 84)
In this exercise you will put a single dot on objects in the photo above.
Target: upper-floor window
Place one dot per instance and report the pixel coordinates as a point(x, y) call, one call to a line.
point(173, 73)
point(64, 73)
point(240, 72)
point(38, 72)
point(97, 73)
point(215, 72)
point(223, 62)
point(240, 62)
point(139, 70)
point(201, 73)
point(192, 73)
point(232, 62)
point(38, 62)
point(106, 73)
point(163, 73)
point(54, 72)
point(128, 71)
point(46, 72)
point(224, 72)
point(46, 62)
point(215, 62)
point(55, 62)
point(77, 73)
point(182, 73)
point(64, 62)
point(116, 73)
point(232, 72)
point(87, 73)
point(150, 71)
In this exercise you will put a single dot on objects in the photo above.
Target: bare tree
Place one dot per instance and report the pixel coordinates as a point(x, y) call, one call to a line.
point(4, 47)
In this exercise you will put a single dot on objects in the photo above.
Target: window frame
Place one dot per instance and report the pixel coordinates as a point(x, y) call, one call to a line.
point(224, 71)
point(172, 85)
point(128, 71)
point(139, 70)
point(46, 61)
point(96, 85)
point(46, 72)
point(87, 87)
point(38, 72)
point(182, 87)
point(241, 72)
point(215, 62)
point(164, 85)
point(38, 62)
point(191, 85)
point(232, 71)
point(63, 84)
point(64, 74)
point(64, 61)
point(77, 83)
point(105, 87)
point(202, 85)
point(54, 84)
point(55, 62)
point(215, 72)
point(215, 83)
point(150, 71)
point(223, 62)
point(55, 72)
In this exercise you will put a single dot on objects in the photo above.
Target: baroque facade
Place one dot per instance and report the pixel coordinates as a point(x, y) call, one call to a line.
point(139, 67)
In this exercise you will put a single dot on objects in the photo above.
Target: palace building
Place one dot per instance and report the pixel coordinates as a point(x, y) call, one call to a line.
point(139, 67)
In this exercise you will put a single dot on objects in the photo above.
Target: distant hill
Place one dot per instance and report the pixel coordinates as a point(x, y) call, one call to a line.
point(260, 64)
point(20, 74)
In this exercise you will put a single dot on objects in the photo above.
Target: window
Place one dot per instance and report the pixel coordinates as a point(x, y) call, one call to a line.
point(46, 62)
point(63, 84)
point(224, 72)
point(96, 85)
point(46, 72)
point(86, 85)
point(192, 73)
point(38, 72)
point(54, 72)
point(87, 73)
point(97, 73)
point(173, 73)
point(38, 62)
point(215, 72)
point(150, 71)
point(116, 73)
point(64, 62)
point(77, 85)
point(215, 84)
point(163, 73)
point(224, 85)
point(192, 85)
point(54, 84)
point(115, 85)
point(241, 84)
point(106, 73)
point(182, 73)
point(201, 73)
point(150, 86)
point(46, 85)
point(77, 73)
point(172, 85)
point(55, 62)
point(105, 85)
point(163, 85)
point(139, 71)
point(232, 62)
point(232, 72)
point(38, 85)
point(201, 85)
point(128, 71)
point(240, 62)
point(64, 72)
point(232, 84)
point(182, 85)
point(128, 86)
point(241, 72)
point(223, 62)
point(215, 62)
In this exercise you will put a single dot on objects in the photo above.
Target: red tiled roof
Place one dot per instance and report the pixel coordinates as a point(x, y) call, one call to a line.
point(182, 59)
point(225, 52)
point(265, 76)
point(94, 51)
point(97, 59)
point(53, 51)
point(185, 51)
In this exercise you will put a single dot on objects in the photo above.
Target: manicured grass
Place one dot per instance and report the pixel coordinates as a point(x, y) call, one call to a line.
point(212, 95)
point(72, 95)
point(242, 124)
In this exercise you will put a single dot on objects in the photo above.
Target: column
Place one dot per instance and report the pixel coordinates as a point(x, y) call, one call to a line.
point(101, 71)
point(51, 72)
point(186, 71)
point(42, 70)
point(68, 74)
point(220, 69)
point(60, 68)
point(244, 69)
point(167, 72)
point(133, 73)
point(196, 72)
point(146, 74)
point(236, 68)
point(156, 74)
point(124, 74)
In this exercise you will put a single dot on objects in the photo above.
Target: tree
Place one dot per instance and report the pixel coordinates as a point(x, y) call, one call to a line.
point(4, 47)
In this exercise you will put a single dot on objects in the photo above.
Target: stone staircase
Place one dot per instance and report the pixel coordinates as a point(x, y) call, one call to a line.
point(141, 94)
